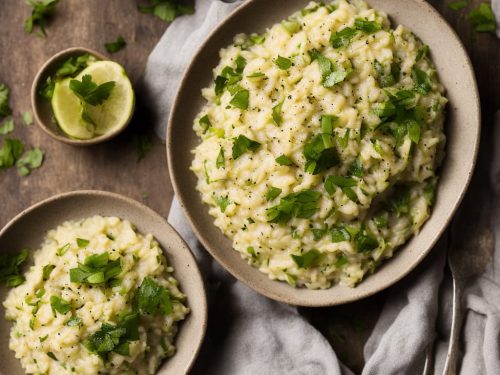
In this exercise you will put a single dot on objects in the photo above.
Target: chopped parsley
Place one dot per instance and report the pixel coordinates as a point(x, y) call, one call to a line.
point(47, 270)
point(343, 37)
point(291, 26)
point(277, 113)
point(272, 193)
point(74, 321)
point(221, 161)
point(118, 45)
point(384, 78)
point(365, 241)
point(422, 81)
point(52, 355)
point(320, 154)
point(422, 53)
point(339, 234)
point(166, 10)
point(368, 27)
point(62, 250)
point(60, 305)
point(40, 14)
point(308, 259)
point(240, 99)
point(81, 242)
point(97, 269)
point(243, 144)
point(284, 160)
point(283, 63)
point(302, 204)
point(205, 123)
point(153, 298)
point(222, 202)
point(241, 62)
point(332, 73)
point(10, 264)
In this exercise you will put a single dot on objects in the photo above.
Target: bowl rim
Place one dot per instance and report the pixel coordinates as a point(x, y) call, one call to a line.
point(202, 304)
point(301, 301)
point(37, 81)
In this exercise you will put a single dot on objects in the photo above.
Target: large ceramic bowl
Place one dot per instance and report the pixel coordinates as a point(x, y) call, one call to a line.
point(462, 130)
point(28, 229)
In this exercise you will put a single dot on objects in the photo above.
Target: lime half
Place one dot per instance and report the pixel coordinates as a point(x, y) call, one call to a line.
point(108, 117)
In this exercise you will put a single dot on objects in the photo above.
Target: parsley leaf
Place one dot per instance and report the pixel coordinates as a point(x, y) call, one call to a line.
point(284, 160)
point(10, 264)
point(47, 270)
point(276, 114)
point(118, 45)
point(331, 73)
point(74, 321)
point(457, 5)
point(343, 37)
point(7, 126)
point(221, 161)
point(344, 183)
point(81, 242)
point(166, 10)
point(52, 355)
point(153, 298)
point(60, 305)
point(422, 81)
point(89, 91)
point(114, 338)
point(422, 53)
point(308, 259)
point(5, 109)
point(366, 242)
point(368, 27)
point(272, 193)
point(283, 63)
point(483, 19)
point(291, 26)
point(302, 204)
point(96, 269)
point(205, 123)
point(242, 144)
point(241, 62)
point(240, 99)
point(41, 12)
point(384, 78)
point(222, 202)
point(339, 234)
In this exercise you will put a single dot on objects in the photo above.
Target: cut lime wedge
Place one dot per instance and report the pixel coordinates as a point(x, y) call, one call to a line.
point(108, 117)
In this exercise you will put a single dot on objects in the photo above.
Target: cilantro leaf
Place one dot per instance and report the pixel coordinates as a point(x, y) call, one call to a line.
point(422, 81)
point(166, 10)
point(143, 145)
point(27, 118)
point(89, 92)
point(384, 78)
point(283, 63)
point(457, 5)
point(339, 234)
point(5, 109)
point(10, 264)
point(74, 65)
point(7, 126)
point(60, 305)
point(343, 37)
point(241, 62)
point(368, 27)
point(97, 269)
point(32, 159)
point(41, 12)
point(242, 144)
point(308, 259)
point(366, 242)
point(47, 88)
point(153, 298)
point(221, 161)
point(272, 193)
point(302, 204)
point(422, 53)
point(483, 19)
point(320, 154)
point(10, 152)
point(331, 73)
point(118, 45)
point(284, 160)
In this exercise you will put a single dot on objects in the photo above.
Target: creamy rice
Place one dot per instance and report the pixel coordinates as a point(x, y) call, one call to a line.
point(320, 141)
point(55, 318)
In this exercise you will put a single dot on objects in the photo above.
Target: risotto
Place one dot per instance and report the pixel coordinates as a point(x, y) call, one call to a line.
point(99, 299)
point(320, 141)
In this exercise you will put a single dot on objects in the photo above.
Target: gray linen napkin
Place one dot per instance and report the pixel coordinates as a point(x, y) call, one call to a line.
point(249, 334)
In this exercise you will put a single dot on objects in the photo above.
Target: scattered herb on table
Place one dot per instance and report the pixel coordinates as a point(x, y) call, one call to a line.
point(27, 118)
point(32, 159)
point(7, 126)
point(483, 19)
point(40, 14)
point(143, 145)
point(118, 45)
point(457, 5)
point(166, 10)
point(5, 109)
point(10, 264)
point(10, 152)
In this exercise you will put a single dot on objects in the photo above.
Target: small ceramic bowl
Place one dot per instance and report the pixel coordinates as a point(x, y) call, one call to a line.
point(462, 132)
point(42, 109)
point(28, 229)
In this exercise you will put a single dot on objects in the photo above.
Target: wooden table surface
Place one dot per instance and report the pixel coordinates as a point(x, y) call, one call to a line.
point(113, 166)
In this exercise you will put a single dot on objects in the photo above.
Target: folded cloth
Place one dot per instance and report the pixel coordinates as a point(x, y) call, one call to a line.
point(250, 334)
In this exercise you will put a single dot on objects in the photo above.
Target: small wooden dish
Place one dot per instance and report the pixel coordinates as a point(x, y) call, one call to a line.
point(28, 229)
point(42, 109)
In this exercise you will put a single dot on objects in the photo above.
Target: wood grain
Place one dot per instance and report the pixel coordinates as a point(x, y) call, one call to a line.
point(113, 166)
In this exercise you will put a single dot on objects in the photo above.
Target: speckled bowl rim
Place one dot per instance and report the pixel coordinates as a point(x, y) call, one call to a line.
point(201, 307)
point(304, 298)
point(37, 81)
